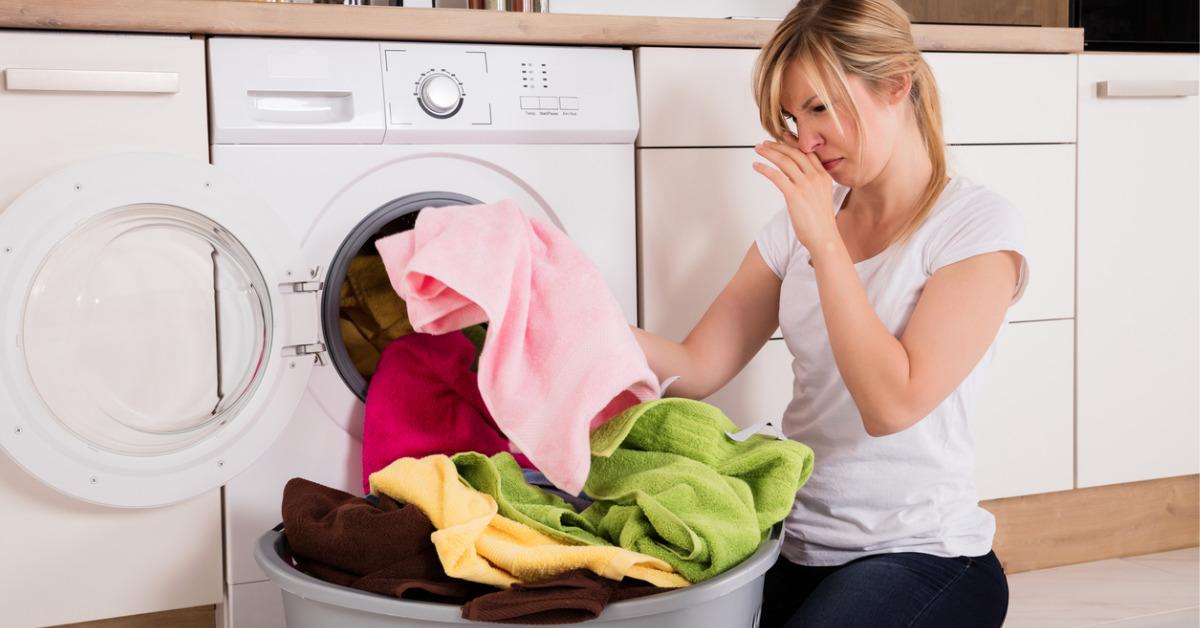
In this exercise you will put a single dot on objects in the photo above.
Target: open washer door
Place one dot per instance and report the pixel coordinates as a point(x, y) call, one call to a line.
point(149, 329)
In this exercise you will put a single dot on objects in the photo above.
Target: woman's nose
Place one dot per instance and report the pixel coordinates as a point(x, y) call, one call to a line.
point(807, 140)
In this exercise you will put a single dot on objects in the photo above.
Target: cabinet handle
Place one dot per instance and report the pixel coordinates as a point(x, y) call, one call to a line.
point(28, 80)
point(1146, 89)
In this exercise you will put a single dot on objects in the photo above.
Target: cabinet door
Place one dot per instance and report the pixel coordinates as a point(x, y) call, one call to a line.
point(762, 390)
point(704, 97)
point(699, 210)
point(697, 97)
point(1023, 421)
point(1039, 179)
point(66, 97)
point(1005, 98)
point(1138, 300)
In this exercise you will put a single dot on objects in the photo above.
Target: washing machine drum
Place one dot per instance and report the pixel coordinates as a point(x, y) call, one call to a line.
point(362, 314)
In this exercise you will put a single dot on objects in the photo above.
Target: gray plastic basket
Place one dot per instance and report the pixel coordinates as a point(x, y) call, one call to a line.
point(731, 600)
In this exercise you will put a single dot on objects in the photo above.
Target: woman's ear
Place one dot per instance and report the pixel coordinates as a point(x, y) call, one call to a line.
point(897, 90)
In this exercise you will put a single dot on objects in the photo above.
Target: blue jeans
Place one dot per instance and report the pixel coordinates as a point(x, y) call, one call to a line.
point(907, 589)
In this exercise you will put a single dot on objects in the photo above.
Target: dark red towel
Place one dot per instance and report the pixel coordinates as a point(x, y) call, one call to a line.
point(347, 540)
point(573, 597)
point(424, 399)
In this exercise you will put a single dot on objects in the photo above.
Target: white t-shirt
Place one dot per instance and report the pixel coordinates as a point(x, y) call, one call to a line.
point(913, 491)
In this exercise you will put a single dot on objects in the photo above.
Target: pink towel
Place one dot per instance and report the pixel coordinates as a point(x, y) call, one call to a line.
point(559, 358)
point(424, 400)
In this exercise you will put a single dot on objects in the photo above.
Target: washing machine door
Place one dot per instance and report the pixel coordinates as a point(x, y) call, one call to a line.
point(149, 329)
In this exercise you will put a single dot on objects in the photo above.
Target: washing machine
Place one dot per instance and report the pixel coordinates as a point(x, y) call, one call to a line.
point(347, 141)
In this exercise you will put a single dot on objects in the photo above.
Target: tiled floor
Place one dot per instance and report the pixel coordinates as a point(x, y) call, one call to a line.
point(1151, 591)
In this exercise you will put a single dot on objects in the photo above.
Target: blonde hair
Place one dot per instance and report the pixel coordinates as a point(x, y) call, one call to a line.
point(870, 39)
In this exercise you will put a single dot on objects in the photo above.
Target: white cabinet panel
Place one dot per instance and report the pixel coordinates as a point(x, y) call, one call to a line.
point(699, 211)
point(1006, 98)
point(697, 97)
point(1040, 181)
point(256, 605)
point(761, 391)
point(1023, 421)
point(65, 560)
point(79, 123)
point(1138, 308)
point(704, 97)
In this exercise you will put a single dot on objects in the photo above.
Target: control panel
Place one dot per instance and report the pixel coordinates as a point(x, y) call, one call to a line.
point(496, 93)
point(361, 92)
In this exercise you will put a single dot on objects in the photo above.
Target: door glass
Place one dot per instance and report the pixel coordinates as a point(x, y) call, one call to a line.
point(146, 329)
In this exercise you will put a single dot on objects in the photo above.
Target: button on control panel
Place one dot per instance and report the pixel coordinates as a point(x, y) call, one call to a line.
point(550, 105)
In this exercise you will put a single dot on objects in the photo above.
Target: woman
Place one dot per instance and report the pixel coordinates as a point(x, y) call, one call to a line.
point(890, 281)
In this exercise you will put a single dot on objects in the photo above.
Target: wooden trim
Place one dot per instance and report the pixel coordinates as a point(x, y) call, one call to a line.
point(1037, 531)
point(195, 617)
point(237, 17)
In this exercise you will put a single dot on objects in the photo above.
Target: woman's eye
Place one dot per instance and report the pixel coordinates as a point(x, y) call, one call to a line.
point(819, 109)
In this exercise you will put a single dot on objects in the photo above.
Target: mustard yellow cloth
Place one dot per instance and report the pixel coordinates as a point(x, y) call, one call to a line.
point(475, 543)
point(372, 314)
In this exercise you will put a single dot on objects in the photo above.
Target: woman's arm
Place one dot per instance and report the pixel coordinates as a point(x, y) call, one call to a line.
point(732, 330)
point(895, 382)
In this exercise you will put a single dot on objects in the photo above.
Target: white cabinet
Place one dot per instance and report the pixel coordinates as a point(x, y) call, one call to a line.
point(1039, 179)
point(1138, 308)
point(1022, 419)
point(65, 97)
point(697, 97)
point(1005, 98)
point(699, 210)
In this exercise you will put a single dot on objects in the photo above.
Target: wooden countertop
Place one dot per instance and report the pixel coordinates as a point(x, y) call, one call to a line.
point(241, 17)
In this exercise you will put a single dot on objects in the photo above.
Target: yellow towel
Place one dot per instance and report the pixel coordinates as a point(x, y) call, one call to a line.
point(477, 544)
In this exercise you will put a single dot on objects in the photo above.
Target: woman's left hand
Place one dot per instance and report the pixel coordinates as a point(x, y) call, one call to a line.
point(807, 188)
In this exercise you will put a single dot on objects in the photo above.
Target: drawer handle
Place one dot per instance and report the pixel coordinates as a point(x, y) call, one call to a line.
point(28, 80)
point(1146, 89)
point(301, 107)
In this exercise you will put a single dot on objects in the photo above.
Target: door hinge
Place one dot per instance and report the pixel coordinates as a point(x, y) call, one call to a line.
point(315, 349)
point(295, 287)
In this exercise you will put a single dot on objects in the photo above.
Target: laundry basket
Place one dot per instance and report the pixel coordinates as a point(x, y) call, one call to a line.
point(730, 600)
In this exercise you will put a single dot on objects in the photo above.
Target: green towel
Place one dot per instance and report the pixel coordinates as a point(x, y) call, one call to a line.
point(476, 334)
point(501, 477)
point(669, 483)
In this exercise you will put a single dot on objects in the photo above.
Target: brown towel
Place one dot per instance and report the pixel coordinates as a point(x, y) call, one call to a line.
point(385, 549)
point(347, 540)
point(573, 597)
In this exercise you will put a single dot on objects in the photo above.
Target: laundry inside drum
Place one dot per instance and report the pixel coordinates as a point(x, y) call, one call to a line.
point(369, 314)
